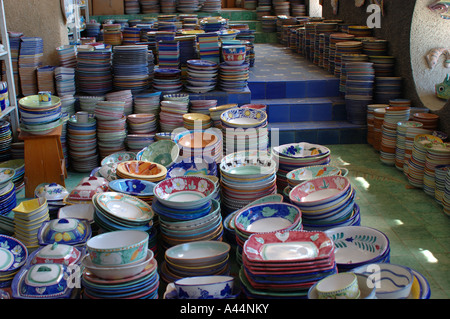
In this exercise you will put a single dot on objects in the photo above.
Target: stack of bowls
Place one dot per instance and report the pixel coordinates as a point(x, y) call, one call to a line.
point(245, 177)
point(125, 96)
point(200, 143)
point(400, 145)
point(216, 111)
point(345, 48)
point(111, 127)
point(202, 106)
point(5, 140)
point(15, 255)
point(233, 78)
point(446, 197)
point(375, 46)
point(410, 135)
point(384, 65)
point(29, 215)
point(285, 264)
point(39, 117)
point(392, 116)
point(292, 156)
point(196, 121)
point(244, 129)
point(438, 154)
point(387, 88)
point(198, 258)
point(117, 266)
point(300, 175)
point(429, 120)
point(378, 120)
point(358, 82)
point(356, 246)
point(8, 197)
point(201, 76)
point(88, 103)
point(440, 172)
point(326, 202)
point(142, 170)
point(142, 123)
point(167, 80)
point(173, 107)
point(18, 165)
point(264, 218)
point(164, 152)
point(195, 165)
point(140, 189)
point(147, 103)
point(416, 163)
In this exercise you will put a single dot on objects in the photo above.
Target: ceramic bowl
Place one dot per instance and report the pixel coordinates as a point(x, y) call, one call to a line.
point(247, 165)
point(118, 248)
point(108, 171)
point(301, 150)
point(358, 245)
point(134, 187)
point(6, 175)
point(268, 217)
point(79, 211)
point(13, 254)
point(391, 281)
point(243, 117)
point(70, 231)
point(57, 254)
point(163, 152)
point(198, 253)
point(118, 272)
point(338, 286)
point(205, 287)
point(185, 191)
point(141, 170)
point(43, 281)
point(367, 290)
point(302, 174)
point(195, 165)
point(140, 118)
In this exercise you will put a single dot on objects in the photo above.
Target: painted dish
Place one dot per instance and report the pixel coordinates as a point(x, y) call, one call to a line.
point(69, 231)
point(52, 191)
point(185, 191)
point(118, 158)
point(197, 140)
point(302, 174)
point(163, 152)
point(134, 187)
point(243, 117)
point(141, 170)
point(319, 190)
point(301, 150)
point(247, 164)
point(198, 253)
point(196, 165)
point(57, 254)
point(6, 175)
point(123, 206)
point(13, 254)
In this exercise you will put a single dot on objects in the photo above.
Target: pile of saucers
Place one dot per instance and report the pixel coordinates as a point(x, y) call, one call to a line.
point(202, 76)
point(285, 264)
point(245, 177)
point(292, 156)
point(173, 107)
point(233, 78)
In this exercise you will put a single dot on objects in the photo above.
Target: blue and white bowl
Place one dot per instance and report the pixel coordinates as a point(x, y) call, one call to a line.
point(205, 287)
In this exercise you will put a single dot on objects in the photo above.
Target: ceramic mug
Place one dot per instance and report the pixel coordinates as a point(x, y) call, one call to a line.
point(45, 97)
point(82, 117)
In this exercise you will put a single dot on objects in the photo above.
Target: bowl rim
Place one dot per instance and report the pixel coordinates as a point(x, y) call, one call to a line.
point(226, 249)
point(143, 237)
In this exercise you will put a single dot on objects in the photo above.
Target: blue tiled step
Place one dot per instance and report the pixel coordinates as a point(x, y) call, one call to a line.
point(323, 132)
point(304, 109)
point(281, 89)
point(223, 97)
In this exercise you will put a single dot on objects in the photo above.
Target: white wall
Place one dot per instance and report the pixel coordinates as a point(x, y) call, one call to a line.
point(428, 31)
point(315, 10)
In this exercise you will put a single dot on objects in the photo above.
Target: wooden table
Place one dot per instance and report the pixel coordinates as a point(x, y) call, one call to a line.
point(44, 160)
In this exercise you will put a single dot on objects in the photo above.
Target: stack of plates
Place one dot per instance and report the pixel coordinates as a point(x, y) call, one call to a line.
point(216, 111)
point(188, 6)
point(173, 107)
point(387, 89)
point(142, 170)
point(285, 264)
point(8, 197)
point(202, 106)
point(169, 54)
point(446, 197)
point(208, 44)
point(46, 78)
point(400, 146)
point(140, 189)
point(378, 120)
point(345, 47)
point(167, 80)
point(438, 154)
point(196, 121)
point(111, 127)
point(17, 253)
point(147, 103)
point(18, 165)
point(5, 140)
point(359, 81)
point(375, 47)
point(233, 78)
point(164, 153)
point(169, 6)
point(292, 156)
point(150, 6)
point(411, 133)
point(125, 96)
point(392, 115)
point(200, 143)
point(118, 211)
point(188, 45)
point(356, 246)
point(198, 258)
point(371, 121)
point(65, 81)
point(88, 103)
point(244, 129)
point(67, 56)
point(334, 39)
point(440, 173)
point(143, 123)
point(383, 65)
point(360, 31)
point(269, 24)
point(136, 142)
point(112, 34)
point(131, 6)
point(201, 75)
point(39, 118)
point(94, 75)
point(29, 215)
point(326, 202)
point(416, 163)
point(211, 6)
point(93, 29)
point(136, 281)
point(14, 45)
point(358, 91)
point(82, 144)
point(245, 177)
point(264, 218)
point(130, 68)
point(68, 104)
point(131, 35)
point(429, 120)
point(30, 58)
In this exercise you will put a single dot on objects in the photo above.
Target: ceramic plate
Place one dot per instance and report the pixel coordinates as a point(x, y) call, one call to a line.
point(301, 150)
point(124, 206)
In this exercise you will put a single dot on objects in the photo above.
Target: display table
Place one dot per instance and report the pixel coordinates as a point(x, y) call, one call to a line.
point(44, 160)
